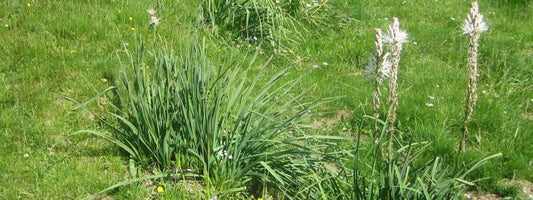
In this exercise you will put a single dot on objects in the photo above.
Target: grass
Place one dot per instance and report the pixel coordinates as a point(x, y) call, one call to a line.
point(45, 54)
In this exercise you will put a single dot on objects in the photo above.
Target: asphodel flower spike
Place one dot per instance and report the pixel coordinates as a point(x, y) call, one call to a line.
point(474, 23)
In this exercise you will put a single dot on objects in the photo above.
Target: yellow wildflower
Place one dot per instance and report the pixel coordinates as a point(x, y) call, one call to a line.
point(131, 18)
point(259, 198)
point(73, 51)
point(160, 189)
point(132, 29)
point(28, 4)
point(119, 11)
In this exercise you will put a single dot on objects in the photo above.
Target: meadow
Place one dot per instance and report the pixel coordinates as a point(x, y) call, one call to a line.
point(56, 53)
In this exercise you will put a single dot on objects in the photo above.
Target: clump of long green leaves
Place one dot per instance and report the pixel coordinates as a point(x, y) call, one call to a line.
point(274, 22)
point(213, 120)
point(397, 176)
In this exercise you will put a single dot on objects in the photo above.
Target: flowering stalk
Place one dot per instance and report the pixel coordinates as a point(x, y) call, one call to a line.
point(473, 27)
point(394, 38)
point(373, 71)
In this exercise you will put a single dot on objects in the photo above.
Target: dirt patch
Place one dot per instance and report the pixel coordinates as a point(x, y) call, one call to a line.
point(525, 187)
point(328, 123)
point(476, 196)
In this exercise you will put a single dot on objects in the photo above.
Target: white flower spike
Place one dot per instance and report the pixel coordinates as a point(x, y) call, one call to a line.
point(394, 34)
point(474, 23)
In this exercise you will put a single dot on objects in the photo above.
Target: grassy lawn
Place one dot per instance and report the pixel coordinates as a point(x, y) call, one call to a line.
point(53, 48)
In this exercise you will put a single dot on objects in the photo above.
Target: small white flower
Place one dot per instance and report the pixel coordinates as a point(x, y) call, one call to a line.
point(277, 1)
point(370, 69)
point(484, 91)
point(154, 21)
point(308, 5)
point(7, 25)
point(415, 43)
point(453, 18)
point(26, 155)
point(325, 63)
point(223, 153)
point(531, 100)
point(429, 104)
point(314, 65)
point(126, 44)
point(496, 95)
point(230, 157)
point(431, 97)
point(151, 11)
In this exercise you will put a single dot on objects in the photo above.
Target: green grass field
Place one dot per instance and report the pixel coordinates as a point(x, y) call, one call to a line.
point(54, 48)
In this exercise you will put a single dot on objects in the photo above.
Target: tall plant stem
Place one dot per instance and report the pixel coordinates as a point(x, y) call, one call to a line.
point(392, 99)
point(473, 27)
point(395, 37)
point(378, 55)
point(471, 95)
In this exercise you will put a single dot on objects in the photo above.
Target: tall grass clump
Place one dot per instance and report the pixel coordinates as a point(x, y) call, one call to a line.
point(402, 175)
point(473, 27)
point(274, 22)
point(212, 120)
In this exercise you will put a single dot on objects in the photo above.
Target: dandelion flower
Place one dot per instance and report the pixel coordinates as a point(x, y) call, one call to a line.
point(28, 4)
point(160, 189)
point(132, 29)
point(130, 18)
